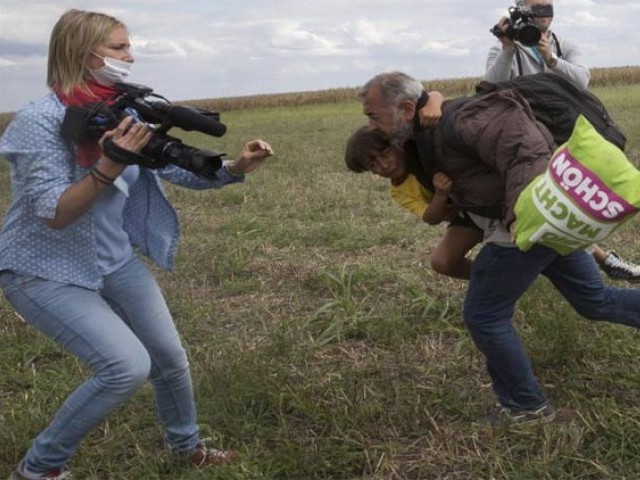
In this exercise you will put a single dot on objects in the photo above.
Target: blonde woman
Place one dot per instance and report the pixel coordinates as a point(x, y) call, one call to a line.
point(67, 259)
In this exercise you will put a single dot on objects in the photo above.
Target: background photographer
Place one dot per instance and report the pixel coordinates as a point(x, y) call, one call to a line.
point(67, 260)
point(511, 58)
point(551, 54)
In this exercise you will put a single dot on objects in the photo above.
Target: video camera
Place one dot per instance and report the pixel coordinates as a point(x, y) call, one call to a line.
point(89, 123)
point(520, 26)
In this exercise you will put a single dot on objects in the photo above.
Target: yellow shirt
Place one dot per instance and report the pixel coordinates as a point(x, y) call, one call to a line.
point(411, 195)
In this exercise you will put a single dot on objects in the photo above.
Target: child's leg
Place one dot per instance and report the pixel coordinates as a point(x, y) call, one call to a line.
point(449, 256)
point(599, 253)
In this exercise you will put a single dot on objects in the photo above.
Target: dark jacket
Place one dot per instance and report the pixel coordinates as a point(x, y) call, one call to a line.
point(491, 146)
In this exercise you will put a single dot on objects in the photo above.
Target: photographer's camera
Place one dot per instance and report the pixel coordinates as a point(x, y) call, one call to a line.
point(520, 25)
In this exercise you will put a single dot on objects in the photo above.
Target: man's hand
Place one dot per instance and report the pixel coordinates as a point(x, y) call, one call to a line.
point(544, 47)
point(507, 43)
point(512, 231)
point(432, 111)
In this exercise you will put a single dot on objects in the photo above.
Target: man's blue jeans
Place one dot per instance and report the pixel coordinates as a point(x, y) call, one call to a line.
point(125, 334)
point(499, 277)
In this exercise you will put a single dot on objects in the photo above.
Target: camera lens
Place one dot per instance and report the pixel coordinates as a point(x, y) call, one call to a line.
point(529, 35)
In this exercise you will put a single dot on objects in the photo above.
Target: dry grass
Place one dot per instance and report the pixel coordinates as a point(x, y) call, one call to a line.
point(600, 77)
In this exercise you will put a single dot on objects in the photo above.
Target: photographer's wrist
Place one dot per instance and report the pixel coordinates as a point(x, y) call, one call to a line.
point(552, 62)
point(509, 47)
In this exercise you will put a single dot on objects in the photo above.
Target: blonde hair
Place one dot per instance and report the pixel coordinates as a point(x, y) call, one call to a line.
point(75, 35)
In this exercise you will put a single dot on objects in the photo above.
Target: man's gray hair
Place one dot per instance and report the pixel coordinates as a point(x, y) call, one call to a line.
point(395, 87)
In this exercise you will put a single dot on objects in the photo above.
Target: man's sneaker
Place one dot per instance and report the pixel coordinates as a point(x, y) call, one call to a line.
point(20, 474)
point(619, 269)
point(543, 414)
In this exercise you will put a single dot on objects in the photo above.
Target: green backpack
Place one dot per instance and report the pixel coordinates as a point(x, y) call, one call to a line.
point(589, 190)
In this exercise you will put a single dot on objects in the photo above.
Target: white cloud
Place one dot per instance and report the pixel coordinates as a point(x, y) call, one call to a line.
point(584, 17)
point(27, 22)
point(158, 49)
point(168, 49)
point(576, 4)
point(4, 62)
point(297, 39)
point(367, 33)
point(446, 49)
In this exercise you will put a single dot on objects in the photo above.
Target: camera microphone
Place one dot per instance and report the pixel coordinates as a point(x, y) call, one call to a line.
point(189, 119)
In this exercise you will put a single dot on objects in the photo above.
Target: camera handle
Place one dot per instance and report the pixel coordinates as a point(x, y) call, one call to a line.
point(127, 157)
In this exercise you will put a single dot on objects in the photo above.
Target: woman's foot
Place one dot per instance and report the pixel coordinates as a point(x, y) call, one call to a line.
point(204, 456)
point(20, 474)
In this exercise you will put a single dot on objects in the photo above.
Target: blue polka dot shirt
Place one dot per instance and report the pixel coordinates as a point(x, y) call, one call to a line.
point(42, 167)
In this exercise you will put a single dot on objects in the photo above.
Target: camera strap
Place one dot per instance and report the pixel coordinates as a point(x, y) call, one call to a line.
point(557, 42)
point(127, 157)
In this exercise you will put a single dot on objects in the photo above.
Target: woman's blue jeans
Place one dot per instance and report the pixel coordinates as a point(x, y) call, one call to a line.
point(125, 334)
point(499, 277)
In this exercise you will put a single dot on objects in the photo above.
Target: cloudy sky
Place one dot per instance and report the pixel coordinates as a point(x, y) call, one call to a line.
point(190, 49)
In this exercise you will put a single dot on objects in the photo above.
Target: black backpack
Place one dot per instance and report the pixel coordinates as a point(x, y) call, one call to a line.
point(556, 103)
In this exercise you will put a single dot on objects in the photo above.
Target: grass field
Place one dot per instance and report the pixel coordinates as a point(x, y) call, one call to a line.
point(323, 347)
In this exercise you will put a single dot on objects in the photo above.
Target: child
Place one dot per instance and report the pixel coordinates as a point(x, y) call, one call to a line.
point(369, 150)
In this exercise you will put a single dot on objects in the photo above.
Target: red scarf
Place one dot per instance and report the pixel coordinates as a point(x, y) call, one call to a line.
point(88, 152)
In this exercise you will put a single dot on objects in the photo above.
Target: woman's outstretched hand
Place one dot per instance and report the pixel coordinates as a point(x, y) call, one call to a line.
point(252, 156)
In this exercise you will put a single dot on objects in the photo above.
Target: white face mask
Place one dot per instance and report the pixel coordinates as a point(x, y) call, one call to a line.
point(112, 72)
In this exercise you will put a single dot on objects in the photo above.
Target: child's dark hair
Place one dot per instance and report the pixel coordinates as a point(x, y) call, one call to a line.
point(363, 144)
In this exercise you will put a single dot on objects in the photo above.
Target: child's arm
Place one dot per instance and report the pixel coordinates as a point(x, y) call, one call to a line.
point(411, 195)
point(432, 111)
point(438, 210)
